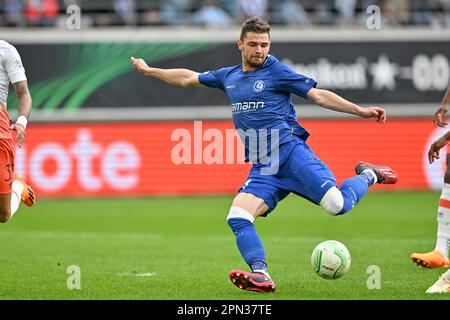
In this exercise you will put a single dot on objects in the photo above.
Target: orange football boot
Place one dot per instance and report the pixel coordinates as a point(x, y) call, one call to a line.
point(432, 260)
point(28, 197)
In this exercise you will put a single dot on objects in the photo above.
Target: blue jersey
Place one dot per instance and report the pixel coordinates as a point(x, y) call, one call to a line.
point(261, 100)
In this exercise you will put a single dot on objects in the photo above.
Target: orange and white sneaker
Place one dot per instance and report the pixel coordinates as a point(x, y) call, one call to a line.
point(442, 285)
point(432, 260)
point(28, 196)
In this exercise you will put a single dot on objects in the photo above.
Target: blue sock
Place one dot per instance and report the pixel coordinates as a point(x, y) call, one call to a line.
point(249, 243)
point(369, 177)
point(354, 189)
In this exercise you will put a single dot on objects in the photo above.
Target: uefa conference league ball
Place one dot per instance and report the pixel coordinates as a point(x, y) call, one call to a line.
point(331, 259)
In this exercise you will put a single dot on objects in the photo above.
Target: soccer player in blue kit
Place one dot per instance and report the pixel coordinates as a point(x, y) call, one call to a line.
point(260, 91)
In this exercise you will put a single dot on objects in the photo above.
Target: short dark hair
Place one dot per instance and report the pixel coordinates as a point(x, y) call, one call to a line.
point(256, 25)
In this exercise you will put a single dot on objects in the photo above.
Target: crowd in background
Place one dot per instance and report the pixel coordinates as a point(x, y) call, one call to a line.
point(224, 13)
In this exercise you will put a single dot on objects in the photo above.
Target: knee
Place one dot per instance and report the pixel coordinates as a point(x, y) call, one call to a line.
point(333, 201)
point(239, 213)
point(239, 219)
point(4, 216)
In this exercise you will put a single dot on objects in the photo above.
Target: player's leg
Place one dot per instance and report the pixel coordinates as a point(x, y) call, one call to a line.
point(310, 178)
point(245, 209)
point(367, 174)
point(10, 196)
point(340, 200)
point(438, 258)
point(353, 189)
point(257, 197)
point(334, 200)
point(13, 189)
point(10, 201)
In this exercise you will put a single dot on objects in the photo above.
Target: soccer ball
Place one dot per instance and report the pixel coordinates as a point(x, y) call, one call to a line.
point(331, 259)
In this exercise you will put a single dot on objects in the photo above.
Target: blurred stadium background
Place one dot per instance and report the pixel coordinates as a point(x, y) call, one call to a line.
point(100, 130)
point(81, 81)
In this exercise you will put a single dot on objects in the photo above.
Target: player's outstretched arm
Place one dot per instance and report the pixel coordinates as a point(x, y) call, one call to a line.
point(24, 98)
point(433, 153)
point(332, 101)
point(439, 116)
point(176, 77)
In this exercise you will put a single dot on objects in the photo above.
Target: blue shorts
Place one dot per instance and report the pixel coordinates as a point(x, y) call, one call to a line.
point(299, 172)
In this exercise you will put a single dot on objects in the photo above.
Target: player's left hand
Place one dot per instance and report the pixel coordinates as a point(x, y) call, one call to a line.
point(20, 133)
point(433, 153)
point(374, 112)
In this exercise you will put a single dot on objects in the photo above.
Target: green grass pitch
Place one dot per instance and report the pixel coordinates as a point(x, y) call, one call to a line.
point(182, 248)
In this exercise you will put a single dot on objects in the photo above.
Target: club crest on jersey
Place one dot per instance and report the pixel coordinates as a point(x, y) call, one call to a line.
point(258, 86)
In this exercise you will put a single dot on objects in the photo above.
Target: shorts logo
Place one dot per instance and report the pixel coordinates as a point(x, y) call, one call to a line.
point(258, 86)
point(246, 184)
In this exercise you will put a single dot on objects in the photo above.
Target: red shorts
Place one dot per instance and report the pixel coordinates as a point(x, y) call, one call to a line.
point(7, 153)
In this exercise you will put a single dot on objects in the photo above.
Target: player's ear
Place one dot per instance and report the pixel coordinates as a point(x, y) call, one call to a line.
point(240, 44)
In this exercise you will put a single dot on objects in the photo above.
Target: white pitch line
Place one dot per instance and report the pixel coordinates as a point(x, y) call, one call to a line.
point(84, 235)
point(145, 274)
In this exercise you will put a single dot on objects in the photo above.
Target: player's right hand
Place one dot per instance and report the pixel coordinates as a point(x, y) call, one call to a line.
point(439, 117)
point(433, 153)
point(20, 133)
point(139, 65)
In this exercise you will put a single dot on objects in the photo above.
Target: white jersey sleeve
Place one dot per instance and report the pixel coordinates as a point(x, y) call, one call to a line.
point(11, 69)
point(13, 65)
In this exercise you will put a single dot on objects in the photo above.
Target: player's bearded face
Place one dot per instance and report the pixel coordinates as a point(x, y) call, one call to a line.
point(255, 48)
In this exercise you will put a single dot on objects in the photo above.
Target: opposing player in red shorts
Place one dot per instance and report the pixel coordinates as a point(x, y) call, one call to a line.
point(13, 188)
point(438, 258)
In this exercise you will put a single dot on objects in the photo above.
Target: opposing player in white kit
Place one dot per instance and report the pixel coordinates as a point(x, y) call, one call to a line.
point(438, 258)
point(13, 188)
point(431, 259)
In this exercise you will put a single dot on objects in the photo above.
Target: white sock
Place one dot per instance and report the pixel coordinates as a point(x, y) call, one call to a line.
point(16, 195)
point(375, 179)
point(443, 229)
point(264, 272)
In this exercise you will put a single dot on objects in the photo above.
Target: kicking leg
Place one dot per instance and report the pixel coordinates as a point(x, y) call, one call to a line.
point(339, 201)
point(352, 190)
point(310, 178)
point(245, 208)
